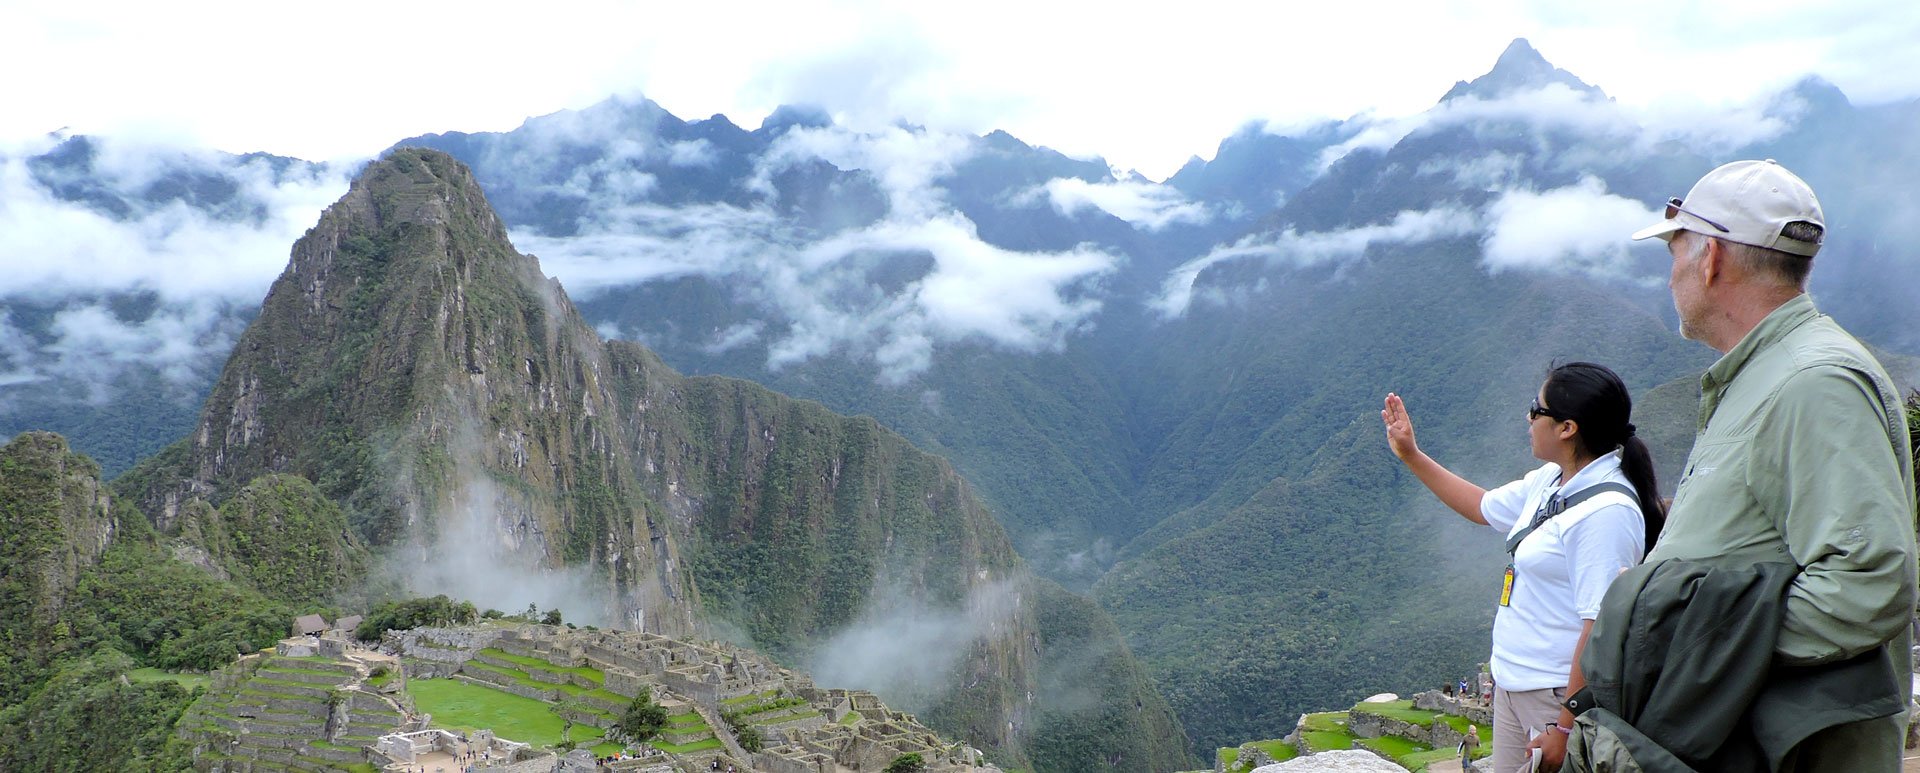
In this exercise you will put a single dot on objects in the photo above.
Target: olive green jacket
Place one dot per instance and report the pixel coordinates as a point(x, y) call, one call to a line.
point(1801, 457)
point(1680, 677)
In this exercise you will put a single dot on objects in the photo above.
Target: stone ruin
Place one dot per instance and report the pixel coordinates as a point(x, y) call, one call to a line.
point(818, 737)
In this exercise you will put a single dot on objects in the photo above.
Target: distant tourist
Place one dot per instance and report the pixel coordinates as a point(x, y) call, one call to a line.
point(1800, 482)
point(1570, 528)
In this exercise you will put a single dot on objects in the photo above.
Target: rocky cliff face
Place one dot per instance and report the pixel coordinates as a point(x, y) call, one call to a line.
point(55, 521)
point(430, 379)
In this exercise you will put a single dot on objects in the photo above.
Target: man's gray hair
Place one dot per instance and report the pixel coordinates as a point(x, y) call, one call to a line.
point(1784, 267)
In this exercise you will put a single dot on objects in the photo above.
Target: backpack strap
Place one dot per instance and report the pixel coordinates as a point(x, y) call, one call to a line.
point(1555, 506)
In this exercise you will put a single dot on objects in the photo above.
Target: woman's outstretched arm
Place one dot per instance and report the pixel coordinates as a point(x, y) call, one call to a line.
point(1456, 492)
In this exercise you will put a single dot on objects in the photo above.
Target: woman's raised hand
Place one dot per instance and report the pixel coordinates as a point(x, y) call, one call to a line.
point(1399, 428)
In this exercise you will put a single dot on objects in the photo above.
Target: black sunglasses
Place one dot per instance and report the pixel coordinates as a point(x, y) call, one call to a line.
point(1535, 410)
point(1673, 207)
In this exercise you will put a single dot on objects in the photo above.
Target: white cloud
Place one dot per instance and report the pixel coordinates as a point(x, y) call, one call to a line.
point(692, 153)
point(199, 265)
point(946, 285)
point(91, 345)
point(1143, 204)
point(52, 247)
point(733, 338)
point(1313, 248)
point(1580, 228)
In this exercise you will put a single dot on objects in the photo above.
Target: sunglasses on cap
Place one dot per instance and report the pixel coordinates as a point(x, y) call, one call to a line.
point(1673, 207)
point(1535, 410)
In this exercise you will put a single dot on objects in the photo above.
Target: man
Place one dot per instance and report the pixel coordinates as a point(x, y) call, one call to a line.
point(1800, 454)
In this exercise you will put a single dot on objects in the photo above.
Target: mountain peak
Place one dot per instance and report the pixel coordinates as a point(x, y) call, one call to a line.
point(1519, 68)
point(787, 117)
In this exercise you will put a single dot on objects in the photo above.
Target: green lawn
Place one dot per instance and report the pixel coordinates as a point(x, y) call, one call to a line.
point(463, 706)
point(186, 679)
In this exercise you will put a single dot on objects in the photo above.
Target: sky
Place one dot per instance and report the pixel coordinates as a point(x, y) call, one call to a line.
point(1146, 86)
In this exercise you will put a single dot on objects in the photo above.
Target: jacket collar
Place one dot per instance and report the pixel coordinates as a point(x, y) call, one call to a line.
point(1775, 326)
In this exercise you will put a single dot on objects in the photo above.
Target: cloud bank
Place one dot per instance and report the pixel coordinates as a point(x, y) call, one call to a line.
point(1580, 228)
point(888, 292)
point(1145, 205)
point(197, 235)
point(1290, 247)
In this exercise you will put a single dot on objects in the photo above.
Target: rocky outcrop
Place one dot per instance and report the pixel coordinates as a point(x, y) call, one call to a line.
point(56, 520)
point(1341, 761)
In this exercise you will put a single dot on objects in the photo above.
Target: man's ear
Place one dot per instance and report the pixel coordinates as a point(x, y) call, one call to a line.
point(1713, 261)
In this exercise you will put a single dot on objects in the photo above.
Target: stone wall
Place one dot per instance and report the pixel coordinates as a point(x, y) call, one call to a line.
point(624, 682)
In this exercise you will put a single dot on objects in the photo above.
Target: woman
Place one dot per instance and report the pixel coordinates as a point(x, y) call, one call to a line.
point(1570, 527)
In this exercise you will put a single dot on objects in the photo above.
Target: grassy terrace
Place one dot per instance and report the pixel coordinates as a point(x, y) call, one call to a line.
point(750, 699)
point(307, 658)
point(1280, 751)
point(700, 745)
point(521, 677)
point(187, 680)
point(1405, 712)
point(593, 674)
point(464, 706)
point(276, 668)
point(852, 718)
point(1326, 731)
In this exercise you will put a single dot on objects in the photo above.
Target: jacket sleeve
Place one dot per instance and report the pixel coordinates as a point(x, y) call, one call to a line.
point(1824, 469)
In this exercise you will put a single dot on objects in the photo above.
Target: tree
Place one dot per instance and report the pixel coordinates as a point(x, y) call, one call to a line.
point(643, 718)
point(749, 738)
point(907, 763)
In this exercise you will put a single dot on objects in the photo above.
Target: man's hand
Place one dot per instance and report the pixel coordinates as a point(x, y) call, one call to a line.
point(1553, 749)
point(1399, 428)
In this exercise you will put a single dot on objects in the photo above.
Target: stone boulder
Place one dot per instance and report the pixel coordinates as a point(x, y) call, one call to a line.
point(1339, 761)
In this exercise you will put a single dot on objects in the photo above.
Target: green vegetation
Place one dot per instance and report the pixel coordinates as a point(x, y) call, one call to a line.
point(906, 763)
point(188, 680)
point(414, 613)
point(281, 536)
point(85, 718)
point(643, 719)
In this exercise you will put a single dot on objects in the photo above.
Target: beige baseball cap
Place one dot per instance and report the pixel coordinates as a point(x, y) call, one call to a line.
point(1747, 202)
